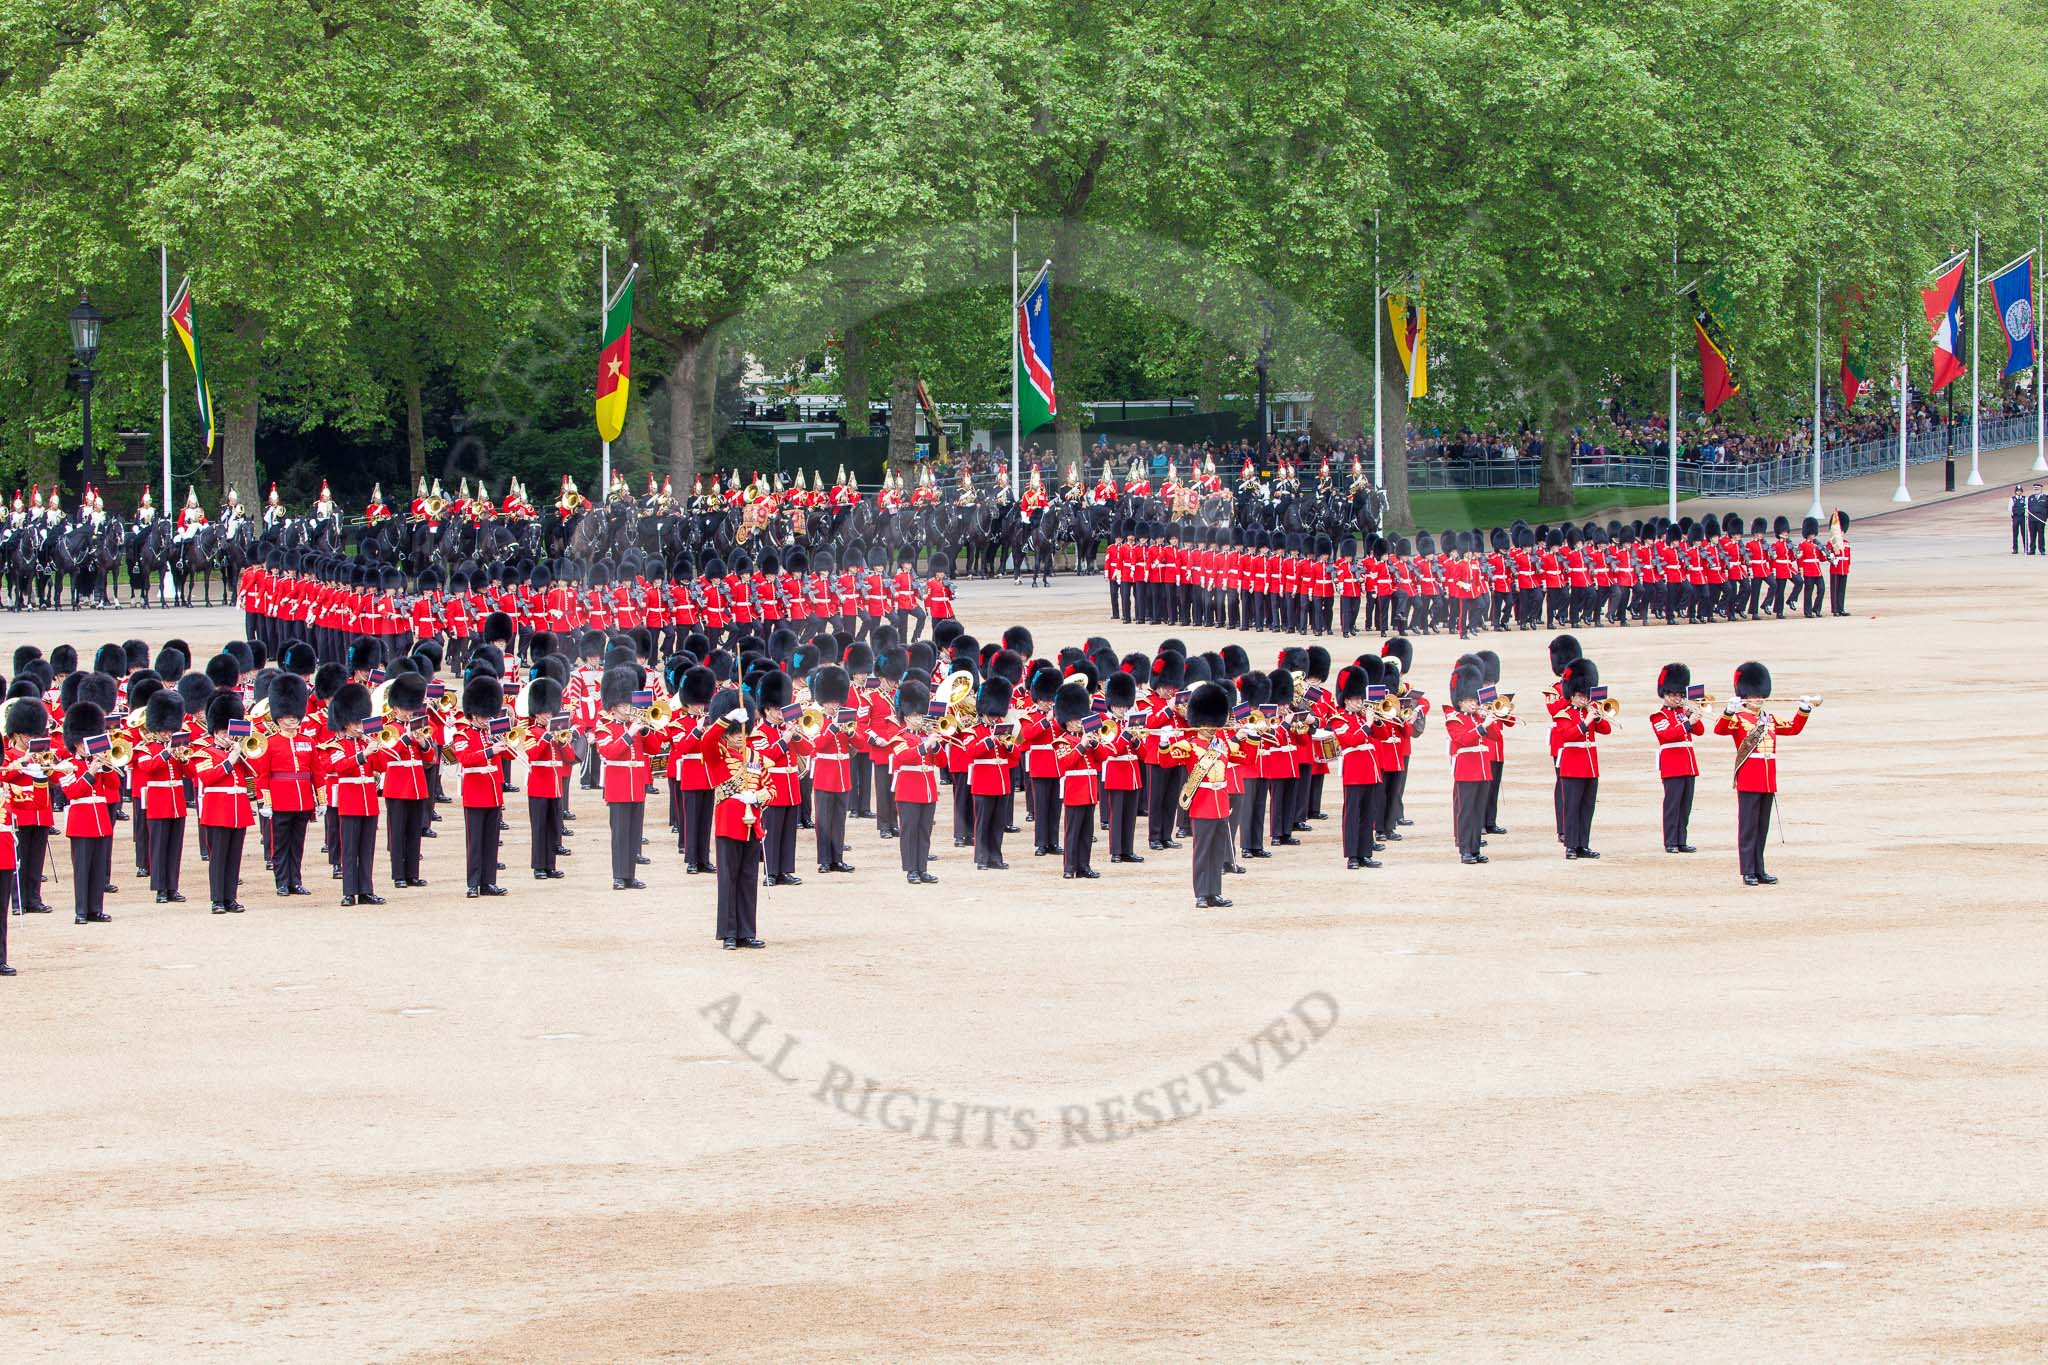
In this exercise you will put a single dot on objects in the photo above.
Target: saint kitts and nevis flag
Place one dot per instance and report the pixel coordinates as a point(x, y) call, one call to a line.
point(615, 360)
point(180, 315)
point(1037, 401)
point(1710, 315)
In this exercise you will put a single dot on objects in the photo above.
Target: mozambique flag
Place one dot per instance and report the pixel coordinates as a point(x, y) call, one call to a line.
point(1855, 368)
point(180, 315)
point(1410, 321)
point(615, 360)
point(1717, 363)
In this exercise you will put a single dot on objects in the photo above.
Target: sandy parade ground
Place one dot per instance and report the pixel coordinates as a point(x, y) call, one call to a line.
point(1619, 1110)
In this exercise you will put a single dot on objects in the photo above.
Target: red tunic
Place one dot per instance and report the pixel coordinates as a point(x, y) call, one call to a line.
point(1674, 729)
point(226, 783)
point(160, 781)
point(1573, 737)
point(1759, 772)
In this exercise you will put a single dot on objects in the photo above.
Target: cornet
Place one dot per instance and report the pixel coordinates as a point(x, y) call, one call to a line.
point(811, 723)
point(1610, 707)
point(253, 744)
point(120, 752)
point(1502, 705)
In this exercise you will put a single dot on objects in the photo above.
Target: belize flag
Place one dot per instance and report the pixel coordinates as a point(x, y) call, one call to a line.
point(1037, 403)
point(1944, 304)
point(2012, 289)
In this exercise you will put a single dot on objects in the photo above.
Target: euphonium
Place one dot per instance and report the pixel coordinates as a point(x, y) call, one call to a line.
point(659, 711)
point(253, 744)
point(1610, 707)
point(119, 752)
point(1387, 708)
point(811, 723)
point(1503, 705)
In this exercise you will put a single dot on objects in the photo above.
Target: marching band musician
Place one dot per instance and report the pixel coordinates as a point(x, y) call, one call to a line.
point(1563, 649)
point(832, 769)
point(1496, 741)
point(84, 778)
point(408, 796)
point(353, 765)
point(226, 800)
point(1674, 725)
point(1358, 766)
point(1164, 751)
point(1208, 793)
point(377, 511)
point(777, 749)
point(284, 781)
point(1036, 733)
point(689, 781)
point(480, 754)
point(626, 745)
point(548, 761)
point(1074, 758)
point(27, 774)
point(1575, 735)
point(1122, 773)
point(159, 772)
point(1756, 733)
point(990, 756)
point(1465, 731)
point(8, 866)
point(914, 780)
point(736, 792)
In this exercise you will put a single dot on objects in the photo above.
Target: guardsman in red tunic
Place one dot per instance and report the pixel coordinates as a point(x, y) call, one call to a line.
point(353, 763)
point(480, 744)
point(626, 747)
point(1674, 725)
point(991, 751)
point(1756, 733)
point(1813, 566)
point(1080, 784)
point(159, 772)
point(1575, 736)
point(1358, 769)
point(25, 768)
point(227, 799)
point(1838, 564)
point(7, 870)
point(548, 761)
point(912, 755)
point(1037, 730)
point(1122, 773)
point(737, 789)
point(1465, 728)
point(778, 747)
point(688, 778)
point(832, 767)
point(1207, 795)
point(88, 824)
point(408, 794)
point(284, 782)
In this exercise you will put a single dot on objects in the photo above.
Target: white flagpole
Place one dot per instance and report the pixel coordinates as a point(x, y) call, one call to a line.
point(604, 297)
point(1901, 495)
point(1379, 464)
point(1671, 432)
point(1016, 344)
point(1814, 511)
point(163, 260)
point(2040, 411)
point(1976, 408)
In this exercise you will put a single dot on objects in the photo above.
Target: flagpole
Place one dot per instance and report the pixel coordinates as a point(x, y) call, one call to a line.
point(1671, 432)
point(1814, 511)
point(2040, 411)
point(1902, 495)
point(1016, 343)
point(1379, 465)
point(1976, 408)
point(604, 297)
point(164, 324)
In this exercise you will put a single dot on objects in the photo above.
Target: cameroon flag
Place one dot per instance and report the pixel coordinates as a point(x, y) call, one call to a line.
point(180, 315)
point(615, 360)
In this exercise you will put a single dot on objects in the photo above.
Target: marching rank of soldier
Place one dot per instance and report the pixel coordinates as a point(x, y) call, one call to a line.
point(767, 739)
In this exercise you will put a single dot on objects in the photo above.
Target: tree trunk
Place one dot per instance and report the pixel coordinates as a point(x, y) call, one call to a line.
point(853, 378)
point(415, 436)
point(1555, 486)
point(903, 423)
point(689, 418)
point(1394, 433)
point(238, 445)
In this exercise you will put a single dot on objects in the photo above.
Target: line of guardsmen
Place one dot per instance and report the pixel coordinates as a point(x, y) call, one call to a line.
point(787, 734)
point(1521, 577)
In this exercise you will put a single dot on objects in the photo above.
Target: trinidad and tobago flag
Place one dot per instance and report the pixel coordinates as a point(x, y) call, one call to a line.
point(1037, 402)
point(1944, 304)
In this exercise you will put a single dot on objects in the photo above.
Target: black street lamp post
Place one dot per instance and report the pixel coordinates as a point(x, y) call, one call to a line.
point(85, 323)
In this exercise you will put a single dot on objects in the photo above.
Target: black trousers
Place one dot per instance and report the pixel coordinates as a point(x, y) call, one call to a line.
point(1811, 595)
point(1752, 829)
point(885, 803)
point(697, 829)
point(1677, 808)
point(544, 819)
point(408, 823)
point(1395, 781)
point(480, 844)
point(914, 821)
point(1500, 770)
point(963, 811)
point(1778, 596)
point(331, 837)
point(31, 853)
point(1361, 815)
point(358, 855)
point(166, 842)
point(1123, 822)
point(988, 830)
point(778, 840)
point(830, 819)
point(863, 784)
point(1251, 815)
point(1312, 795)
point(1212, 851)
point(92, 860)
point(136, 830)
point(288, 846)
point(1045, 815)
point(1468, 815)
point(1162, 801)
point(1347, 616)
point(739, 886)
point(1079, 836)
point(1280, 798)
point(1838, 593)
point(1580, 794)
point(627, 818)
point(224, 868)
point(7, 911)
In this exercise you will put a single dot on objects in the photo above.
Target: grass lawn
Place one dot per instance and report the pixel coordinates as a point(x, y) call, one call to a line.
point(1489, 507)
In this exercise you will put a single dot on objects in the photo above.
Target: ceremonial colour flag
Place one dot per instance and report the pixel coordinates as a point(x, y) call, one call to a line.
point(2012, 289)
point(1717, 364)
point(1037, 401)
point(1944, 304)
point(181, 323)
point(615, 360)
point(1411, 340)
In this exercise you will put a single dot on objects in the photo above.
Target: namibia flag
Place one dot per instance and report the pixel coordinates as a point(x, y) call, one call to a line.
point(1037, 402)
point(615, 360)
point(180, 315)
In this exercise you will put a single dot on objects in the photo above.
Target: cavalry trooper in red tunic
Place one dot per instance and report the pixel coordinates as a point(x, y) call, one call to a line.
point(1756, 733)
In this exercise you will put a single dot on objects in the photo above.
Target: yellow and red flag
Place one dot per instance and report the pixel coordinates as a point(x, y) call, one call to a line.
point(615, 360)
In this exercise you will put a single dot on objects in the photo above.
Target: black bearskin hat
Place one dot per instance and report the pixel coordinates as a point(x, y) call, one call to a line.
point(1580, 675)
point(27, 716)
point(1809, 527)
point(1673, 678)
point(288, 693)
point(1489, 664)
point(81, 721)
point(830, 686)
point(774, 690)
point(1563, 650)
point(351, 706)
point(617, 687)
point(914, 698)
point(99, 689)
point(1045, 684)
point(1120, 690)
point(408, 692)
point(221, 708)
point(1466, 680)
point(364, 654)
point(1401, 650)
point(1071, 702)
point(1169, 670)
point(946, 631)
point(993, 699)
point(1351, 684)
point(483, 697)
point(698, 686)
point(1019, 639)
point(163, 713)
point(1752, 680)
point(194, 689)
point(110, 659)
point(1208, 707)
point(729, 700)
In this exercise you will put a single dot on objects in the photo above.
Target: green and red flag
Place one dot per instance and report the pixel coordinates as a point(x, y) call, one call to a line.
point(1710, 308)
point(1855, 350)
point(180, 314)
point(615, 360)
point(1037, 399)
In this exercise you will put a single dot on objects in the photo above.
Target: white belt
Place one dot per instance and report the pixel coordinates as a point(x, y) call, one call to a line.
point(159, 786)
point(1471, 749)
point(356, 781)
point(780, 770)
point(988, 763)
point(88, 800)
point(403, 763)
point(545, 763)
point(1578, 744)
point(1685, 743)
point(609, 764)
point(223, 791)
point(917, 768)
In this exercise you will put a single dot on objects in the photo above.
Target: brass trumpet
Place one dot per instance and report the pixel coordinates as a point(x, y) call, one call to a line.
point(1610, 707)
point(1502, 705)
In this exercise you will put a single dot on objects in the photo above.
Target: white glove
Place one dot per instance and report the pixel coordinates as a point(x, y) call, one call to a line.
point(736, 716)
point(35, 770)
point(750, 798)
point(263, 809)
point(1731, 707)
